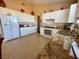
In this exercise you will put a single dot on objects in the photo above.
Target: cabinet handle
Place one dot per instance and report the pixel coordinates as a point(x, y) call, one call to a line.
point(5, 24)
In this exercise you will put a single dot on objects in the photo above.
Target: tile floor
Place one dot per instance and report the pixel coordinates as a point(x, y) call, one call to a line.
point(24, 48)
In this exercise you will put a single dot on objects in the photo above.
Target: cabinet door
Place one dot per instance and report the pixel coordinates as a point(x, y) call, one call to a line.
point(62, 16)
point(41, 31)
point(45, 16)
point(6, 27)
point(14, 27)
point(48, 16)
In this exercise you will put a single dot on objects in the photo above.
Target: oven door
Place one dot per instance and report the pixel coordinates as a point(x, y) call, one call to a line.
point(48, 33)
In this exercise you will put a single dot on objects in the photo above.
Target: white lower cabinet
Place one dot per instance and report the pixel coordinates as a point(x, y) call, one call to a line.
point(74, 51)
point(27, 30)
point(41, 31)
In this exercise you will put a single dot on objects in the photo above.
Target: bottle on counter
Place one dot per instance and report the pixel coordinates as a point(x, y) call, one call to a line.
point(72, 27)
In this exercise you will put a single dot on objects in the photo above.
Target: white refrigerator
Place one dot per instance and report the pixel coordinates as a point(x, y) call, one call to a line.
point(10, 27)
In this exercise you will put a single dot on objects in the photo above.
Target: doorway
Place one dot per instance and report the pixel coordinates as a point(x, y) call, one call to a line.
point(38, 23)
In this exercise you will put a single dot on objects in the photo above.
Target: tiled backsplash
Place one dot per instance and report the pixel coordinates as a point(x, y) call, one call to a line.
point(27, 24)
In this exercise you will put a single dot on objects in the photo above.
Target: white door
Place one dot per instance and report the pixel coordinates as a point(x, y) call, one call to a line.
point(6, 27)
point(14, 27)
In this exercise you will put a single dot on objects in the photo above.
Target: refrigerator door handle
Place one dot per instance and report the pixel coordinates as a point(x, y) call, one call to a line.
point(6, 24)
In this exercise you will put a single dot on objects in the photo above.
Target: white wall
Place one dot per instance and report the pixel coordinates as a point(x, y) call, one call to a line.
point(17, 5)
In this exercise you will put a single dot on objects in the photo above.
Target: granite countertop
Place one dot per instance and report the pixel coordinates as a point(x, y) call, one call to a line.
point(53, 50)
point(66, 32)
point(50, 27)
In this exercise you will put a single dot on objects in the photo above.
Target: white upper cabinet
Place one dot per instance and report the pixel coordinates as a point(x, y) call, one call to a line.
point(62, 16)
point(72, 13)
point(46, 16)
point(23, 17)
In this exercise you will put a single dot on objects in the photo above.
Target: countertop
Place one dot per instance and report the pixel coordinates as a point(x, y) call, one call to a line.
point(68, 33)
point(65, 32)
point(50, 27)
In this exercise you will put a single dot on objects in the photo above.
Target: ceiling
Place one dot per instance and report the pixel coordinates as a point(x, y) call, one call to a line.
point(40, 2)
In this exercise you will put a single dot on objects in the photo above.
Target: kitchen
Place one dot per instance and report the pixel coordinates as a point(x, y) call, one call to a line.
point(54, 25)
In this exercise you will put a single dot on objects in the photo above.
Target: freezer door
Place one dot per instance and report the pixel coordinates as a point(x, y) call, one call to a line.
point(14, 26)
point(6, 27)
